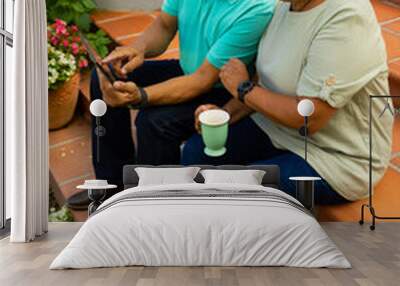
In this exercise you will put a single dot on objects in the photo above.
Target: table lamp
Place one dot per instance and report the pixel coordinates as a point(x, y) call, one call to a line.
point(305, 108)
point(305, 185)
point(98, 108)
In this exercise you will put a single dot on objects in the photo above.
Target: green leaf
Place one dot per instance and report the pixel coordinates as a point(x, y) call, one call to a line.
point(78, 7)
point(100, 42)
point(103, 51)
point(83, 22)
point(71, 11)
point(63, 215)
point(89, 4)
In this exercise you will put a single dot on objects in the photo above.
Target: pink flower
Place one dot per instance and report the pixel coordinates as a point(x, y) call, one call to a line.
point(83, 63)
point(65, 43)
point(76, 39)
point(61, 30)
point(74, 28)
point(54, 41)
point(60, 27)
point(60, 22)
point(75, 49)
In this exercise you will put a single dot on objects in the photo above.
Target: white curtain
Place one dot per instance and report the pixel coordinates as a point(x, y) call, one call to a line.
point(27, 171)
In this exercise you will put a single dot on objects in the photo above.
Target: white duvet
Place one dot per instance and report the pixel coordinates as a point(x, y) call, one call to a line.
point(200, 232)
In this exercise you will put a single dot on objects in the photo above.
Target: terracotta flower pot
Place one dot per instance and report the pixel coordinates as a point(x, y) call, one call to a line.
point(62, 102)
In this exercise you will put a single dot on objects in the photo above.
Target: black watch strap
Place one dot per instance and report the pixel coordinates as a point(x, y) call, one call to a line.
point(144, 100)
point(244, 89)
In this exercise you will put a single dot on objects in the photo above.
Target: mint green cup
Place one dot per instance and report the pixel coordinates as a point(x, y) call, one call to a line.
point(214, 131)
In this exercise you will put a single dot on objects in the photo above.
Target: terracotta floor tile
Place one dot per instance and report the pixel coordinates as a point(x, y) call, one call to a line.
point(392, 45)
point(71, 160)
point(126, 27)
point(79, 216)
point(394, 2)
point(385, 12)
point(386, 198)
point(76, 129)
point(394, 80)
point(101, 15)
point(394, 26)
point(394, 69)
point(156, 13)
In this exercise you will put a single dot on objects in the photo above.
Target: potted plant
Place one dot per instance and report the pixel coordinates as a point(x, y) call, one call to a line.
point(66, 57)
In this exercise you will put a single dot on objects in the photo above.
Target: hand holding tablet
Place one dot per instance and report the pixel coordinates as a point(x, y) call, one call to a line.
point(112, 72)
point(107, 70)
point(125, 59)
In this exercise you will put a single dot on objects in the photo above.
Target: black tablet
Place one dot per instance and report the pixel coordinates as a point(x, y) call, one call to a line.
point(96, 59)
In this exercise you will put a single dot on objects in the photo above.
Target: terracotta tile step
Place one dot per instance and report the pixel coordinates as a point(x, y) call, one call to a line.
point(394, 78)
point(384, 11)
point(125, 27)
point(133, 24)
point(386, 198)
point(70, 158)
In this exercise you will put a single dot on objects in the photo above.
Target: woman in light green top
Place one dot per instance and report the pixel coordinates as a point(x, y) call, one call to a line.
point(332, 52)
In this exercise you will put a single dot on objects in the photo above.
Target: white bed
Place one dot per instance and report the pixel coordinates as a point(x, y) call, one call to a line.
point(185, 230)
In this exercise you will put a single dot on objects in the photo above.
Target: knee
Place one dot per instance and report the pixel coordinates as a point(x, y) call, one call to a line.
point(192, 153)
point(149, 120)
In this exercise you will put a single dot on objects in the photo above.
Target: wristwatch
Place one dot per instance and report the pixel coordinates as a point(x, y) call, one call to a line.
point(244, 88)
point(144, 100)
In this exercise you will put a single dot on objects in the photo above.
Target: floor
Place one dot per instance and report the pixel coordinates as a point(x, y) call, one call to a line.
point(70, 155)
point(375, 257)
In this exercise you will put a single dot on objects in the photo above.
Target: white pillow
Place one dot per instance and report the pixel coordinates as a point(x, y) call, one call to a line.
point(245, 177)
point(166, 176)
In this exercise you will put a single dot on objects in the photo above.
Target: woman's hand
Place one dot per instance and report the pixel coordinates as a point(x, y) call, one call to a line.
point(232, 74)
point(199, 110)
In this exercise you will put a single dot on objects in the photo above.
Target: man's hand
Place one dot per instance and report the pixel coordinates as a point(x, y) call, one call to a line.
point(120, 94)
point(232, 74)
point(199, 110)
point(125, 59)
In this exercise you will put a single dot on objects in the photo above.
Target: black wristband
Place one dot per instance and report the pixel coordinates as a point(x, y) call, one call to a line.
point(144, 100)
point(244, 89)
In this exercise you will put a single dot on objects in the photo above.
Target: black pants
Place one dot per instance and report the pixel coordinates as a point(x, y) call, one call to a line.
point(160, 129)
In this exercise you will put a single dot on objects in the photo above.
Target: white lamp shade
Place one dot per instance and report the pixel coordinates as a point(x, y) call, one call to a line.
point(305, 108)
point(98, 108)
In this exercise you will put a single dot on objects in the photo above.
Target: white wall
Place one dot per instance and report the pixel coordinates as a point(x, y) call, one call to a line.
point(129, 4)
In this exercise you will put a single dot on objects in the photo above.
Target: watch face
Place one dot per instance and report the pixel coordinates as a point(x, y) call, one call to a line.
point(245, 86)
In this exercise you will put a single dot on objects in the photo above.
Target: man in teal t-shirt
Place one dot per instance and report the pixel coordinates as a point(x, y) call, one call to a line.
point(218, 30)
point(168, 92)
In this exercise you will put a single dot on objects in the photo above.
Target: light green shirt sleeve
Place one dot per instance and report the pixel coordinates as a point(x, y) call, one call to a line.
point(241, 40)
point(171, 7)
point(339, 63)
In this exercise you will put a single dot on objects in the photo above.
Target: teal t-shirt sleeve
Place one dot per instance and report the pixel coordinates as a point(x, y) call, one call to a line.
point(171, 7)
point(241, 40)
